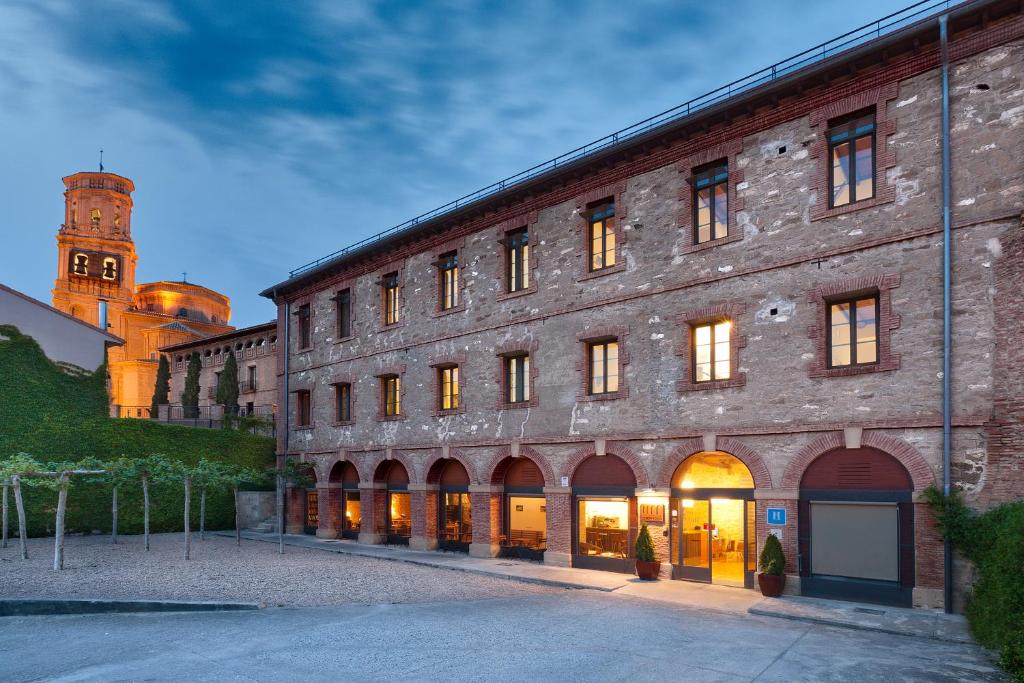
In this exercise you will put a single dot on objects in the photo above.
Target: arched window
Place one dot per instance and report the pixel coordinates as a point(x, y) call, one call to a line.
point(109, 268)
point(712, 470)
point(95, 215)
point(81, 265)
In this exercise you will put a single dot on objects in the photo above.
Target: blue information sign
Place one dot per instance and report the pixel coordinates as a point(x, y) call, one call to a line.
point(776, 516)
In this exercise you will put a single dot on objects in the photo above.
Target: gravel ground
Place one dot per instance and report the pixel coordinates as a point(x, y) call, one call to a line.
point(220, 570)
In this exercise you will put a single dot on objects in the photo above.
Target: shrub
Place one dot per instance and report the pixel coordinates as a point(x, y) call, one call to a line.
point(644, 545)
point(772, 560)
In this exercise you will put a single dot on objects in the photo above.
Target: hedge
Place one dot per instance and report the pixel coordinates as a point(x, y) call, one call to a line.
point(994, 542)
point(56, 416)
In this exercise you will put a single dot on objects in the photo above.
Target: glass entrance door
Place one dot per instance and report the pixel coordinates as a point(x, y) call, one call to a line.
point(456, 532)
point(716, 541)
point(694, 540)
point(727, 542)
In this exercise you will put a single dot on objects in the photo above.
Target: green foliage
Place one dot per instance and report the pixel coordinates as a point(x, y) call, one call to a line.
point(644, 545)
point(55, 417)
point(772, 560)
point(162, 390)
point(994, 542)
point(190, 393)
point(227, 387)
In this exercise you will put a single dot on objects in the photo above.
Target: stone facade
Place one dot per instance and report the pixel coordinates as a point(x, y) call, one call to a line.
point(785, 257)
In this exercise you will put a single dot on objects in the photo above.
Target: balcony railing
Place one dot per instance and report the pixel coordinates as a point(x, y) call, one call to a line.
point(247, 385)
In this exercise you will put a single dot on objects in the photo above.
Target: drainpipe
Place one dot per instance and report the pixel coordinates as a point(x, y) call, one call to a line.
point(279, 484)
point(947, 324)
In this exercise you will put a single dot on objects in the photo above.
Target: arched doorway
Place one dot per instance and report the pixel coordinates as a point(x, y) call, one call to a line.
point(454, 509)
point(604, 493)
point(713, 526)
point(524, 522)
point(350, 514)
point(397, 505)
point(856, 527)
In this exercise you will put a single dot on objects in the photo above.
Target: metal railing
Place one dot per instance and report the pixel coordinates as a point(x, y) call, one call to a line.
point(819, 53)
point(247, 385)
point(133, 411)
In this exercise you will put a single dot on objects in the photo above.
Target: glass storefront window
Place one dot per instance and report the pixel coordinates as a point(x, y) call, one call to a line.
point(604, 527)
point(751, 536)
point(695, 541)
point(458, 522)
point(527, 522)
point(312, 509)
point(353, 513)
point(400, 517)
point(712, 470)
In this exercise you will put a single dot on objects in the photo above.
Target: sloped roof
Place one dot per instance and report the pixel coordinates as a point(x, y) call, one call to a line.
point(110, 337)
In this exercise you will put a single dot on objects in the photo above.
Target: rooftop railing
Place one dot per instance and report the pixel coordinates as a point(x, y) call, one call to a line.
point(876, 29)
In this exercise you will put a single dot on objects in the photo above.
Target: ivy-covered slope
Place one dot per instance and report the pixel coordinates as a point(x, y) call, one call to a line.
point(59, 417)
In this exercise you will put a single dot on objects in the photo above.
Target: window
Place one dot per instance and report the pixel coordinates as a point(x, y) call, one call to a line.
point(603, 527)
point(851, 153)
point(343, 402)
point(95, 215)
point(448, 385)
point(303, 408)
point(518, 259)
point(517, 378)
point(390, 294)
point(711, 351)
point(250, 384)
point(711, 203)
point(448, 270)
point(601, 234)
point(304, 320)
point(344, 301)
point(391, 395)
point(853, 332)
point(109, 268)
point(81, 266)
point(604, 367)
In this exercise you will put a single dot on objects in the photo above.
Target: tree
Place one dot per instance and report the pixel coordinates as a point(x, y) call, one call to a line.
point(147, 470)
point(162, 393)
point(644, 545)
point(227, 387)
point(12, 470)
point(190, 395)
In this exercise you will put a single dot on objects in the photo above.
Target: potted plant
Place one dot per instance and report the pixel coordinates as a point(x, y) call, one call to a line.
point(647, 567)
point(772, 578)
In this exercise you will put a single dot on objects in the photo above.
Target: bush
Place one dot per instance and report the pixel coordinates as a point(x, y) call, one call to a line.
point(772, 560)
point(994, 542)
point(54, 416)
point(644, 545)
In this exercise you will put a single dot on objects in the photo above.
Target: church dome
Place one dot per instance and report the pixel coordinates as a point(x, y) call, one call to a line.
point(183, 300)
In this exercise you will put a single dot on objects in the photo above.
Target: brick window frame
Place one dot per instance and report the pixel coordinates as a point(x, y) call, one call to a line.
point(594, 335)
point(885, 155)
point(394, 267)
point(506, 351)
point(350, 381)
point(527, 221)
point(338, 289)
point(686, 166)
point(308, 390)
point(584, 202)
point(391, 371)
point(700, 316)
point(457, 246)
point(438, 363)
point(822, 296)
point(296, 307)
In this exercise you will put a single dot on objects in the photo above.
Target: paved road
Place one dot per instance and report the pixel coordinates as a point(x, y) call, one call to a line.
point(567, 636)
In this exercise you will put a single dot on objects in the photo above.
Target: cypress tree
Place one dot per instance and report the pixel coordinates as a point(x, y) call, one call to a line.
point(227, 388)
point(190, 396)
point(162, 393)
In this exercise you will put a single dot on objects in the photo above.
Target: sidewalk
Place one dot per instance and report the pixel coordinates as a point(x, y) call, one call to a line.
point(918, 623)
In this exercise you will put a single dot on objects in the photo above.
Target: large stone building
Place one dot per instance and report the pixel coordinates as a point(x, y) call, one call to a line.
point(726, 323)
point(96, 263)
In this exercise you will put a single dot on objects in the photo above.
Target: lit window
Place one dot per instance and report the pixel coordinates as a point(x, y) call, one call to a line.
point(518, 259)
point(304, 326)
point(602, 236)
point(711, 203)
point(603, 527)
point(303, 409)
point(344, 300)
point(711, 351)
point(853, 332)
point(343, 402)
point(391, 395)
point(604, 367)
point(851, 151)
point(517, 378)
point(448, 383)
point(390, 295)
point(448, 269)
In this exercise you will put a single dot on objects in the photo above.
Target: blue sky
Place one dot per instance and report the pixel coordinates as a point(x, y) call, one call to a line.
point(262, 135)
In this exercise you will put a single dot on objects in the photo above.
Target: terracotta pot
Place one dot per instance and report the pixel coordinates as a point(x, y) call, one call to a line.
point(648, 571)
point(771, 584)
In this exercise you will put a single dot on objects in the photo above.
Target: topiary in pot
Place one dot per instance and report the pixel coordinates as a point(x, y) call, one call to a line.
point(772, 561)
point(647, 567)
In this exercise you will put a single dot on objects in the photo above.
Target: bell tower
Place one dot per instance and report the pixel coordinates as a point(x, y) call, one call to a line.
point(95, 253)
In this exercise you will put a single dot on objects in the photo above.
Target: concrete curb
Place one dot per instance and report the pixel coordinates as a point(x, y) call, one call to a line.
point(24, 607)
point(931, 634)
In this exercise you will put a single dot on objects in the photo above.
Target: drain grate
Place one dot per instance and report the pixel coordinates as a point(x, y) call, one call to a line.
point(868, 610)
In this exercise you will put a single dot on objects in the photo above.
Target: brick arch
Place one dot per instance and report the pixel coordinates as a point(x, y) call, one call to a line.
point(400, 457)
point(643, 480)
point(504, 453)
point(336, 460)
point(747, 455)
point(920, 471)
point(437, 455)
point(313, 463)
